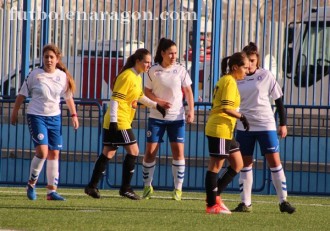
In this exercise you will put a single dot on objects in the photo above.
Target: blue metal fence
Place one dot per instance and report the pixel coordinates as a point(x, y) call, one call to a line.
point(292, 45)
point(304, 152)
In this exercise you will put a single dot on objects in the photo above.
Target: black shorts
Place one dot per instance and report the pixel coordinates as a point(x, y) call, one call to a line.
point(121, 138)
point(222, 147)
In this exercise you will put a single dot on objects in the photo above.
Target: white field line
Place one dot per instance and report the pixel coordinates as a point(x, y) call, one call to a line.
point(257, 198)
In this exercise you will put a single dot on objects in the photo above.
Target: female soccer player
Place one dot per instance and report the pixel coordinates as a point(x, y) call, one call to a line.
point(255, 90)
point(45, 86)
point(127, 91)
point(219, 131)
point(164, 83)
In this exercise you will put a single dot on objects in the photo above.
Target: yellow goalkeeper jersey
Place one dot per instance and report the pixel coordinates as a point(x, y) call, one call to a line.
point(126, 91)
point(225, 96)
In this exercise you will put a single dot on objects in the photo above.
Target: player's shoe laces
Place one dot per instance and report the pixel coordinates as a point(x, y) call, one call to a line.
point(31, 192)
point(241, 207)
point(177, 195)
point(287, 207)
point(93, 192)
point(54, 196)
point(223, 207)
point(129, 193)
point(147, 192)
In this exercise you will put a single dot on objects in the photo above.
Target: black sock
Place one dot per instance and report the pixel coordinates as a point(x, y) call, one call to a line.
point(128, 171)
point(225, 179)
point(210, 186)
point(99, 170)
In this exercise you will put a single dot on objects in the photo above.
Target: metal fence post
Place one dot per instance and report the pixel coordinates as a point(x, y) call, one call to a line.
point(27, 41)
point(196, 48)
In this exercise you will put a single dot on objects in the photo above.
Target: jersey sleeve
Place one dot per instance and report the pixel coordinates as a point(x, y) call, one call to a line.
point(185, 78)
point(66, 94)
point(121, 87)
point(275, 90)
point(148, 79)
point(24, 90)
point(228, 95)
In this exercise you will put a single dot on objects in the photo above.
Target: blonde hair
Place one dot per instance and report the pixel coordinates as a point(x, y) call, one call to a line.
point(52, 47)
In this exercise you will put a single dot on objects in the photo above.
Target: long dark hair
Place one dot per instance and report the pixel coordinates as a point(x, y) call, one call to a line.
point(139, 54)
point(131, 60)
point(235, 59)
point(163, 45)
point(60, 65)
point(252, 49)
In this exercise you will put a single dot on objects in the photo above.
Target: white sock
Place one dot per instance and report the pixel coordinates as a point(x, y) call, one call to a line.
point(245, 185)
point(148, 170)
point(52, 174)
point(279, 182)
point(35, 168)
point(178, 167)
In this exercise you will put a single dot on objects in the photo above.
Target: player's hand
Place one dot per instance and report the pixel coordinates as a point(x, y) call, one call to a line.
point(75, 122)
point(190, 117)
point(161, 110)
point(13, 119)
point(282, 131)
point(245, 122)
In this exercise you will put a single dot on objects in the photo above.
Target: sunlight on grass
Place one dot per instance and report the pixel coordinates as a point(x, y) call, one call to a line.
point(111, 212)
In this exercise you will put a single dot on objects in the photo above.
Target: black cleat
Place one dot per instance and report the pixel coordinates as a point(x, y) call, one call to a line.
point(286, 207)
point(243, 208)
point(93, 192)
point(129, 193)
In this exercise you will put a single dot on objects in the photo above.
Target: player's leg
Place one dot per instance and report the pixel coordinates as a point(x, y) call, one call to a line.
point(247, 142)
point(129, 168)
point(38, 131)
point(176, 134)
point(101, 164)
point(219, 151)
point(54, 146)
point(270, 147)
point(155, 132)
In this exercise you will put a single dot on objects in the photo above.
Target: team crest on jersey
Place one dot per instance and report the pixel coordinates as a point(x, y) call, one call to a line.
point(175, 71)
point(158, 72)
point(134, 104)
point(58, 78)
point(40, 136)
point(259, 77)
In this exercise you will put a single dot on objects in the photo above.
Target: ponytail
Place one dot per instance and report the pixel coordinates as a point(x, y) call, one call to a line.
point(224, 65)
point(228, 62)
point(131, 60)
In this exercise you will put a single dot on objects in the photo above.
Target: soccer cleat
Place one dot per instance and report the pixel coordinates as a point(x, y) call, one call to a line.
point(241, 207)
point(223, 207)
point(215, 209)
point(31, 192)
point(147, 192)
point(129, 194)
point(54, 196)
point(287, 207)
point(177, 195)
point(93, 192)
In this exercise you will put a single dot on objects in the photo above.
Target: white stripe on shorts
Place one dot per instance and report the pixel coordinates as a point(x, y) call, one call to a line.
point(125, 136)
point(222, 146)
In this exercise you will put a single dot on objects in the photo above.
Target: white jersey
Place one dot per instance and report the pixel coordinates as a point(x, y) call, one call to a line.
point(45, 90)
point(167, 83)
point(255, 91)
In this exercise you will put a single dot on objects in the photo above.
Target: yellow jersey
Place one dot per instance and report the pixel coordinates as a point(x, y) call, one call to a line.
point(225, 96)
point(126, 91)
